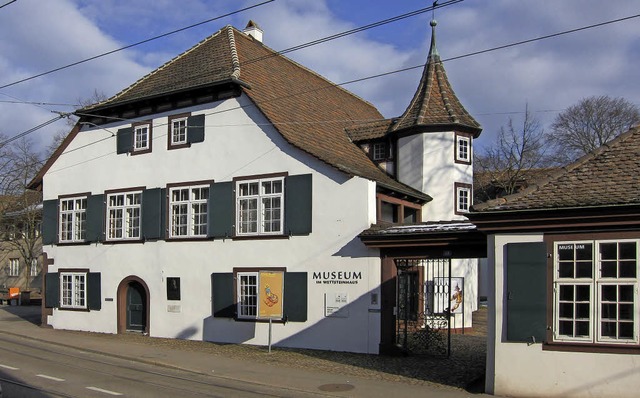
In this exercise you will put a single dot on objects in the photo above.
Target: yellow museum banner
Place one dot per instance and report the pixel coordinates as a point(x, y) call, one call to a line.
point(271, 295)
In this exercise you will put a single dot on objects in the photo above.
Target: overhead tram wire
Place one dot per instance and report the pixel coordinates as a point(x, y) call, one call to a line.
point(134, 44)
point(408, 68)
point(31, 130)
point(6, 4)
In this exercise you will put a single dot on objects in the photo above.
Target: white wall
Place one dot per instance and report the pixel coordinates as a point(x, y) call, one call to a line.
point(525, 370)
point(426, 162)
point(239, 142)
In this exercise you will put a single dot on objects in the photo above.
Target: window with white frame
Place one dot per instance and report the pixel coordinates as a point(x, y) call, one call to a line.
point(189, 209)
point(463, 198)
point(34, 267)
point(595, 292)
point(260, 205)
point(142, 137)
point(463, 149)
point(178, 133)
point(14, 267)
point(379, 151)
point(247, 292)
point(73, 290)
point(73, 219)
point(123, 215)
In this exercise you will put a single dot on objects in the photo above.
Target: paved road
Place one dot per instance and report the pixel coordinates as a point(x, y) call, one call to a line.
point(70, 364)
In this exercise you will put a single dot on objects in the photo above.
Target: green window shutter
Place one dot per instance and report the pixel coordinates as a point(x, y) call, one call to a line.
point(298, 204)
point(526, 291)
point(94, 288)
point(124, 140)
point(224, 304)
point(49, 222)
point(52, 290)
point(221, 210)
point(195, 129)
point(153, 205)
point(95, 217)
point(295, 296)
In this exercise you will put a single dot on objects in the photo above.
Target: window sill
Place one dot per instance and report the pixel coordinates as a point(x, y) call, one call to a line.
point(259, 237)
point(631, 348)
point(121, 241)
point(83, 243)
point(73, 309)
point(188, 239)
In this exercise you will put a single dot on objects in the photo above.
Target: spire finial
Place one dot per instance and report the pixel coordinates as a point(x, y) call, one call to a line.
point(432, 49)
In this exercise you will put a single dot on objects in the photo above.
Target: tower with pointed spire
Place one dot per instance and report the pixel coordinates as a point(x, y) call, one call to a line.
point(434, 142)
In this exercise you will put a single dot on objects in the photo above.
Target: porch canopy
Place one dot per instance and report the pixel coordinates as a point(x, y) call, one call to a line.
point(448, 239)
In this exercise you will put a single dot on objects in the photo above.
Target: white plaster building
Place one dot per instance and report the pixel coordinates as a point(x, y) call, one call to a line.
point(225, 189)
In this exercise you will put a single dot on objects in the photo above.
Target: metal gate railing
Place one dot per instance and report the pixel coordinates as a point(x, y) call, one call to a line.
point(423, 310)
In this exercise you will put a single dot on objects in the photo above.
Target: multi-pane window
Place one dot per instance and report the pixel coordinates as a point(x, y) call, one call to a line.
point(379, 151)
point(596, 291)
point(73, 219)
point(123, 215)
point(141, 137)
point(178, 131)
point(189, 209)
point(463, 198)
point(463, 149)
point(247, 292)
point(260, 205)
point(73, 290)
point(14, 267)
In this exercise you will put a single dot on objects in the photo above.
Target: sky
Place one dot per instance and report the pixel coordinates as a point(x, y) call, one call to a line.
point(547, 75)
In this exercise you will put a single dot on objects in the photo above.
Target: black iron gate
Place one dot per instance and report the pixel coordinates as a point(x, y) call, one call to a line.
point(423, 315)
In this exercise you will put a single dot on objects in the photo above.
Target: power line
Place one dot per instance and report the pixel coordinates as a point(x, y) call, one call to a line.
point(134, 44)
point(31, 130)
point(6, 4)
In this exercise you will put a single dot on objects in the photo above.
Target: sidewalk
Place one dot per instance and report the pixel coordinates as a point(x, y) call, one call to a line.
point(23, 321)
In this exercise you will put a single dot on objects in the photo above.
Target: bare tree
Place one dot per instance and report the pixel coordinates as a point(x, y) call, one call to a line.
point(589, 124)
point(503, 167)
point(21, 209)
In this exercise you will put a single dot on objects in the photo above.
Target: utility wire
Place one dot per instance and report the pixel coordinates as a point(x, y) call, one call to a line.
point(31, 130)
point(6, 4)
point(134, 44)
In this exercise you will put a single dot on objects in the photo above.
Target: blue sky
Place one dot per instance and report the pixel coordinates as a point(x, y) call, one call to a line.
point(550, 75)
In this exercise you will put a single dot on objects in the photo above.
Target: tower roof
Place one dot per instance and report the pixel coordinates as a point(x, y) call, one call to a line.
point(435, 105)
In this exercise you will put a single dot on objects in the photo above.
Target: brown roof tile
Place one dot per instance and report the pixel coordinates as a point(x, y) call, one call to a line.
point(608, 176)
point(309, 111)
point(435, 102)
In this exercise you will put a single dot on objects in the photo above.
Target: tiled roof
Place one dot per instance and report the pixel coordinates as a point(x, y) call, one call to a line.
point(435, 102)
point(310, 112)
point(608, 176)
point(369, 131)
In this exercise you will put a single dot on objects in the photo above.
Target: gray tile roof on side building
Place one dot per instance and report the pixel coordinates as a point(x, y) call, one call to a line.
point(609, 176)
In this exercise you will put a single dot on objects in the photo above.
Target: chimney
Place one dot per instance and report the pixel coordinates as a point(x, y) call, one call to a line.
point(253, 30)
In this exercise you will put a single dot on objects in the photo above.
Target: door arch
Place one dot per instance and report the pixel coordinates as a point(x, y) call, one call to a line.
point(133, 305)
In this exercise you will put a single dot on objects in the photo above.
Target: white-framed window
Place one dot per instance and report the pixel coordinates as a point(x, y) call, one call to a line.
point(142, 137)
point(73, 290)
point(123, 215)
point(595, 292)
point(260, 206)
point(247, 294)
point(463, 198)
point(14, 267)
point(189, 209)
point(178, 128)
point(34, 267)
point(379, 151)
point(463, 149)
point(73, 219)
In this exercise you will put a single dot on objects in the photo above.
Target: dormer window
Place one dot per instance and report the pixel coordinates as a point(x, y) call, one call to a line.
point(463, 149)
point(379, 151)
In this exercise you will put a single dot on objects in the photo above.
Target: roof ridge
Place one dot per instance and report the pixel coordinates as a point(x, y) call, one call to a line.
point(160, 68)
point(279, 54)
point(562, 171)
point(234, 52)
